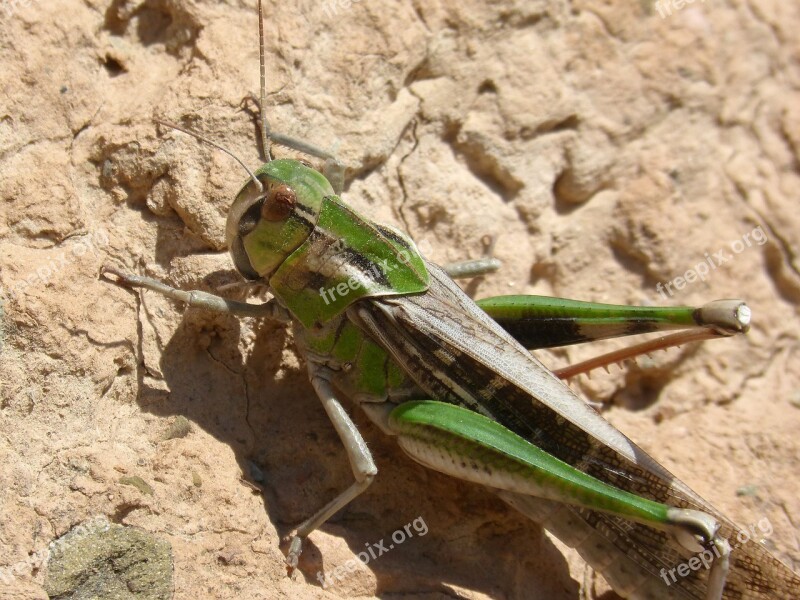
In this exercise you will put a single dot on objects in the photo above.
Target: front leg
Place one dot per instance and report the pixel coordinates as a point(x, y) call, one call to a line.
point(198, 298)
point(475, 267)
point(364, 469)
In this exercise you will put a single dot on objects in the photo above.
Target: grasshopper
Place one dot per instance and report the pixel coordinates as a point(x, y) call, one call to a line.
point(455, 383)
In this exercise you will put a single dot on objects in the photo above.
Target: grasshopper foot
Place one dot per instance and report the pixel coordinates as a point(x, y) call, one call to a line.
point(295, 549)
point(119, 278)
point(476, 267)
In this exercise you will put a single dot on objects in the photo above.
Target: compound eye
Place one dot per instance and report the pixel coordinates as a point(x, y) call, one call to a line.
point(279, 203)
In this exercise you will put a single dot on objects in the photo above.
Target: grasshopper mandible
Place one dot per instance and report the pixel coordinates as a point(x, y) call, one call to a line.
point(455, 383)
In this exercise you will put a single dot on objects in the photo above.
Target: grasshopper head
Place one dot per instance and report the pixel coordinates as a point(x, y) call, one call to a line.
point(265, 226)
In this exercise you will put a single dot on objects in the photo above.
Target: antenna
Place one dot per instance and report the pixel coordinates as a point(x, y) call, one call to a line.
point(263, 103)
point(203, 139)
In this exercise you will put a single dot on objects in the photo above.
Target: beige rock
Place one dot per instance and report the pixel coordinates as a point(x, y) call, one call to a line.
point(607, 148)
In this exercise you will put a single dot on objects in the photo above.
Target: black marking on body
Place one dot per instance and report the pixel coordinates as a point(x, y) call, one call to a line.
point(308, 212)
point(250, 218)
point(393, 236)
point(391, 323)
point(241, 260)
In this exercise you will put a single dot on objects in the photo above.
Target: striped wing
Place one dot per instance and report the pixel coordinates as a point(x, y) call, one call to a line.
point(457, 354)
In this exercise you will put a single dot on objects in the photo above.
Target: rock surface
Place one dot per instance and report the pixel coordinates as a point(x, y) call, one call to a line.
point(609, 149)
point(113, 562)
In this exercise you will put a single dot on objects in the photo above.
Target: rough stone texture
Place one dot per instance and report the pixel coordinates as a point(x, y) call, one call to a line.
point(116, 563)
point(609, 149)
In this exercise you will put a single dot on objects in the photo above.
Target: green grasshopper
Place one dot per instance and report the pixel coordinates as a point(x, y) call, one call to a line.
point(455, 383)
